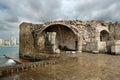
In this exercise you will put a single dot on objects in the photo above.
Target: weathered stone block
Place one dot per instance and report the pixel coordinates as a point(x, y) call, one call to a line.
point(115, 48)
point(102, 47)
point(91, 46)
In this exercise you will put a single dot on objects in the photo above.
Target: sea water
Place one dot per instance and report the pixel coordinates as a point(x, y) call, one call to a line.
point(11, 50)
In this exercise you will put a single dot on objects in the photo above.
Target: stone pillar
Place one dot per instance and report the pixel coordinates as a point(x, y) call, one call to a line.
point(51, 44)
point(79, 43)
point(53, 38)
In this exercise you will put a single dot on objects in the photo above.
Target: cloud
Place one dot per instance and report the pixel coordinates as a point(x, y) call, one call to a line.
point(13, 12)
point(99, 9)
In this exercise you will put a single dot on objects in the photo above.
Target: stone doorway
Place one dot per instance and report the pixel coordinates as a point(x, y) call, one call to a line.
point(104, 35)
point(104, 44)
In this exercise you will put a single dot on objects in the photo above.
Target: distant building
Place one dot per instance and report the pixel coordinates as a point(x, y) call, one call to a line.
point(6, 42)
point(17, 43)
point(1, 42)
point(13, 41)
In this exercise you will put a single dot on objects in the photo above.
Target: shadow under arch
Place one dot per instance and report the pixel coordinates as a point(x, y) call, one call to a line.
point(67, 37)
point(104, 35)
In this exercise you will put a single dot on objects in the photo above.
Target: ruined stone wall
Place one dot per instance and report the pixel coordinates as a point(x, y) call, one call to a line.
point(26, 39)
point(90, 47)
point(92, 36)
point(32, 37)
point(115, 30)
point(115, 38)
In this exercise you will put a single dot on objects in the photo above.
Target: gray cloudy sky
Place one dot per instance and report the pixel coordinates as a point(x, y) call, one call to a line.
point(13, 12)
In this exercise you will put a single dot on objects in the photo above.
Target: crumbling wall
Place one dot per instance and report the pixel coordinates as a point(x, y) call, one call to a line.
point(116, 29)
point(114, 37)
point(90, 47)
point(32, 36)
point(115, 47)
point(92, 34)
point(26, 39)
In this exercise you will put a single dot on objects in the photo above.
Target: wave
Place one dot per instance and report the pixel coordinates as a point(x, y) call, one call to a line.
point(10, 62)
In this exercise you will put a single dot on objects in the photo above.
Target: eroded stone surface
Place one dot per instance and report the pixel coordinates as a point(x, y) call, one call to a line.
point(75, 35)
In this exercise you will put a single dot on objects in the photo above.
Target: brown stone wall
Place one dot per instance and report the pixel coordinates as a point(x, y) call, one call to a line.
point(117, 31)
point(90, 47)
point(114, 31)
point(32, 36)
point(26, 39)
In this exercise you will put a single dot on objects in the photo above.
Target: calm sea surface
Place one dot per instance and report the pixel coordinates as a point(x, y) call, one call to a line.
point(13, 50)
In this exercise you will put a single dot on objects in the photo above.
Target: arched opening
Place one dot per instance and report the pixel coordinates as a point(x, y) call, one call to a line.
point(104, 45)
point(104, 35)
point(58, 36)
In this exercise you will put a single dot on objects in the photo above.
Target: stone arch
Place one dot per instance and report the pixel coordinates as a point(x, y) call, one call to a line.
point(74, 29)
point(104, 35)
point(99, 29)
point(71, 37)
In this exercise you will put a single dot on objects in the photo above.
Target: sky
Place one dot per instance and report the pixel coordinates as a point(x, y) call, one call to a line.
point(14, 12)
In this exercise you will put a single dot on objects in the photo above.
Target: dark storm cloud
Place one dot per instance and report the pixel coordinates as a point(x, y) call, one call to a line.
point(13, 12)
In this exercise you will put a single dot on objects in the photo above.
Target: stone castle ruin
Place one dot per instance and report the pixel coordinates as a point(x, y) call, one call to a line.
point(69, 36)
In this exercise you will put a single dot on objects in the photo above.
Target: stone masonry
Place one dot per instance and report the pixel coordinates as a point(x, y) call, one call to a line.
point(72, 35)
